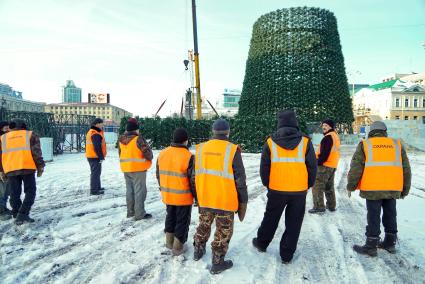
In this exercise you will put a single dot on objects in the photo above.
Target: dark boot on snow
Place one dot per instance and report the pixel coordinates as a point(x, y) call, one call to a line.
point(169, 240)
point(198, 253)
point(219, 264)
point(23, 218)
point(257, 246)
point(317, 210)
point(5, 214)
point(369, 248)
point(389, 243)
point(96, 192)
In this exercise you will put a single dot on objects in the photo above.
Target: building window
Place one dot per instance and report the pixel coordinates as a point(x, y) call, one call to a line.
point(415, 118)
point(423, 119)
point(406, 103)
point(423, 103)
point(415, 102)
point(406, 118)
point(397, 102)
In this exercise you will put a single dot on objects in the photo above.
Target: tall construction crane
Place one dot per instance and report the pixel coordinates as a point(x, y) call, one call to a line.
point(196, 60)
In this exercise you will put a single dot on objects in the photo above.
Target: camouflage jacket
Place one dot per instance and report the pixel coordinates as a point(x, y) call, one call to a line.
point(356, 172)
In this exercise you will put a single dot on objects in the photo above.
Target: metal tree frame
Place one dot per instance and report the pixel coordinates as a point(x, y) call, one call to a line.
point(67, 130)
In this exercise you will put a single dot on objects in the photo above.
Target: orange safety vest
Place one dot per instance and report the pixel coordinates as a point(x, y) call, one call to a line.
point(288, 171)
point(215, 182)
point(132, 159)
point(90, 152)
point(333, 159)
point(173, 163)
point(16, 151)
point(383, 170)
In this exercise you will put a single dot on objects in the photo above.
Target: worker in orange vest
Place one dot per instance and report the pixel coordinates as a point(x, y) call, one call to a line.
point(288, 169)
point(5, 213)
point(327, 159)
point(173, 171)
point(21, 158)
point(95, 154)
point(135, 159)
point(380, 169)
point(220, 186)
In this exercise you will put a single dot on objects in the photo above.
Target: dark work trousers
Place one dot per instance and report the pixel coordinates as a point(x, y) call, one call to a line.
point(15, 187)
point(177, 221)
point(389, 217)
point(4, 193)
point(95, 172)
point(294, 215)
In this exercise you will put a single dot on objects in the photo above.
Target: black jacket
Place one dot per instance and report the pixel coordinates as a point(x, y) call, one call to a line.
point(97, 143)
point(288, 138)
point(238, 173)
point(190, 169)
point(325, 148)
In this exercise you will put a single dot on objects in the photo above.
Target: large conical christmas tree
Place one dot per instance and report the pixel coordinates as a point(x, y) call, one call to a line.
point(295, 61)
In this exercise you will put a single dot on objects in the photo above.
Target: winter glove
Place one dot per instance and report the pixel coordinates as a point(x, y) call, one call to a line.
point(242, 211)
point(403, 195)
point(101, 161)
point(40, 172)
point(3, 177)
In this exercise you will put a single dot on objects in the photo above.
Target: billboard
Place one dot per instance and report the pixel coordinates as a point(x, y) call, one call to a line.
point(98, 98)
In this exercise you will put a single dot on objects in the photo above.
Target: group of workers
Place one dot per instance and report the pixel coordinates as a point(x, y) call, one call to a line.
point(214, 180)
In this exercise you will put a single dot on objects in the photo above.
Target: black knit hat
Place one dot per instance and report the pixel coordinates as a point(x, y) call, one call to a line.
point(18, 123)
point(97, 120)
point(329, 122)
point(287, 118)
point(132, 124)
point(221, 126)
point(3, 124)
point(180, 135)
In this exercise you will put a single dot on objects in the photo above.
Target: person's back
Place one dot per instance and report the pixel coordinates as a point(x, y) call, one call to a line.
point(288, 168)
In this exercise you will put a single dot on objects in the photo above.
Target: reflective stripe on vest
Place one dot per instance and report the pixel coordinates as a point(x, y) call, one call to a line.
point(288, 171)
point(131, 157)
point(16, 151)
point(173, 163)
point(383, 170)
point(224, 173)
point(371, 163)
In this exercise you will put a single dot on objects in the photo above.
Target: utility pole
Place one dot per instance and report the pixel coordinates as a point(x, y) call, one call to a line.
point(197, 75)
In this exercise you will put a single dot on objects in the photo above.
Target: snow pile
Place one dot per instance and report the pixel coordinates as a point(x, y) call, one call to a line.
point(79, 238)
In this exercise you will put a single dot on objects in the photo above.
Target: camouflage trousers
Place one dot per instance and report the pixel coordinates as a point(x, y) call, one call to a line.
point(223, 232)
point(324, 184)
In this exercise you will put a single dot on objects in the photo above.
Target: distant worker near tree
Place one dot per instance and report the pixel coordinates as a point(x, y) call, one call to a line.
point(21, 158)
point(380, 169)
point(95, 154)
point(5, 213)
point(135, 159)
point(173, 171)
point(221, 191)
point(288, 169)
point(328, 155)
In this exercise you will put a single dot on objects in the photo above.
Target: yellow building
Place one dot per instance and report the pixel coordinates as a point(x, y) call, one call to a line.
point(109, 113)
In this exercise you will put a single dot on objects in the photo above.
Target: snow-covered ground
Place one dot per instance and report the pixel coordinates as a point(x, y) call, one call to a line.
point(79, 238)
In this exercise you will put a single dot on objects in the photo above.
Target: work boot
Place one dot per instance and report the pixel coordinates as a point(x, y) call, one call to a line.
point(316, 210)
point(96, 192)
point(331, 209)
point(23, 218)
point(178, 247)
point(169, 240)
point(219, 264)
point(255, 244)
point(5, 214)
point(199, 252)
point(389, 243)
point(146, 216)
point(369, 248)
point(130, 214)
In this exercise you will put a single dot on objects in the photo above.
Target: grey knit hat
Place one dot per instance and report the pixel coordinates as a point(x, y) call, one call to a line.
point(221, 126)
point(378, 125)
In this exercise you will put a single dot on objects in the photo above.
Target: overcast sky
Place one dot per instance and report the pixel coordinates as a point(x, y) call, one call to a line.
point(133, 49)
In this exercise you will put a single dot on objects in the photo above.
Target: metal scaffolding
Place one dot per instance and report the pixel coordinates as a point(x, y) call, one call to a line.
point(67, 130)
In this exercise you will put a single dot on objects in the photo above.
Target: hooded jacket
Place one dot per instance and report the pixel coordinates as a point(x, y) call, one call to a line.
point(141, 144)
point(288, 138)
point(357, 167)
